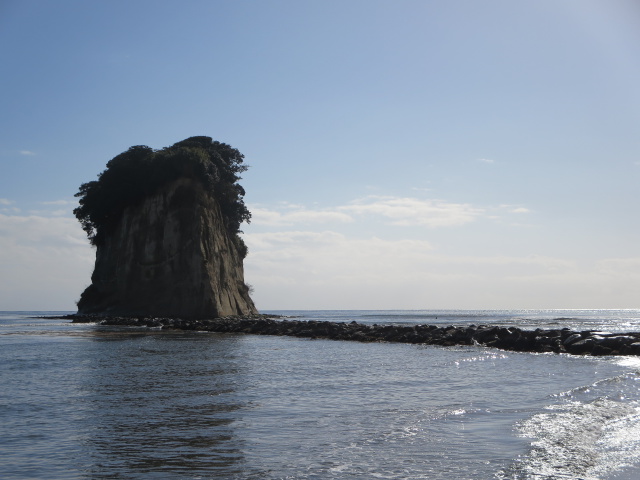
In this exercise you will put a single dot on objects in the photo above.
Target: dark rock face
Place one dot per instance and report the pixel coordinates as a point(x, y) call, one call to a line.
point(511, 338)
point(169, 256)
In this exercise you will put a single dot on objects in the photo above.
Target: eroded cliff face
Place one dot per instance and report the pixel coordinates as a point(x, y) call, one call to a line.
point(169, 256)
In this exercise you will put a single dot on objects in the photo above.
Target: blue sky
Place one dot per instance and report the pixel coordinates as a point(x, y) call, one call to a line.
point(405, 154)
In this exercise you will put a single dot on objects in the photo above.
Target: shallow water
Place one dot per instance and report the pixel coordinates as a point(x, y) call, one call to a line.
point(84, 401)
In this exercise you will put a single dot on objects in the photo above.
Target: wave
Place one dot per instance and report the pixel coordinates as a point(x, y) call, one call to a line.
point(601, 384)
point(579, 440)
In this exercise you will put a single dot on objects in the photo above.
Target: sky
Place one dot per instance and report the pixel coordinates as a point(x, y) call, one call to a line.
point(406, 154)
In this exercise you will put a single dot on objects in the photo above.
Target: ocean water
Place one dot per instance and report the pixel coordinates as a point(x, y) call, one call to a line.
point(82, 401)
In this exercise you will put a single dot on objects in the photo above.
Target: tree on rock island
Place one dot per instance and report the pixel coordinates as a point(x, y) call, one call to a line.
point(166, 227)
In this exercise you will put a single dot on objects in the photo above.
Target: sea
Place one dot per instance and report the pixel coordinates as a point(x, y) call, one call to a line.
point(84, 401)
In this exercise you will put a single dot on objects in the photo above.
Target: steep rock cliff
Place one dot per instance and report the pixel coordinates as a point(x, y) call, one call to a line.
point(169, 255)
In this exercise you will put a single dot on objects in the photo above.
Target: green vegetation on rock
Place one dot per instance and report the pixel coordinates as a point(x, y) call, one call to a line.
point(140, 171)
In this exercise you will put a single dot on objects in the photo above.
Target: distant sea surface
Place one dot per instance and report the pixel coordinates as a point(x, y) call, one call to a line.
point(82, 401)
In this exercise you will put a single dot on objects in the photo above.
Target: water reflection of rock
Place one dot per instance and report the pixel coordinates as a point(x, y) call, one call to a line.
point(162, 403)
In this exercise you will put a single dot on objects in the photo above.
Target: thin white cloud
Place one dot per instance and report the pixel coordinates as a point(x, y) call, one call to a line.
point(411, 211)
point(613, 266)
point(334, 252)
point(46, 262)
point(11, 210)
point(6, 206)
point(486, 160)
point(303, 269)
point(61, 202)
point(27, 153)
point(50, 213)
point(294, 214)
point(41, 231)
point(514, 208)
point(397, 211)
point(327, 257)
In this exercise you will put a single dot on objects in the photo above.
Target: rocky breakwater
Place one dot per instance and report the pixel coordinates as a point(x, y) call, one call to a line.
point(505, 338)
point(165, 224)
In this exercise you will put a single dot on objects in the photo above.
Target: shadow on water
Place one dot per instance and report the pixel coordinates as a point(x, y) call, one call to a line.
point(161, 404)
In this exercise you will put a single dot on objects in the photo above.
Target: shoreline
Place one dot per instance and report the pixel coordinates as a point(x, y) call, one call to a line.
point(587, 342)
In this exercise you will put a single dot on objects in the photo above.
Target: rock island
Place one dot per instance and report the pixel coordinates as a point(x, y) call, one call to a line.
point(166, 224)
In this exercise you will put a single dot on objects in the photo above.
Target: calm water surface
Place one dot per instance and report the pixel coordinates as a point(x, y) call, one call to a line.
point(90, 402)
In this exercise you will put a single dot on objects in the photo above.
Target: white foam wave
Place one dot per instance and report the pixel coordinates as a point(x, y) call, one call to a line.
point(580, 440)
point(633, 362)
point(600, 384)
